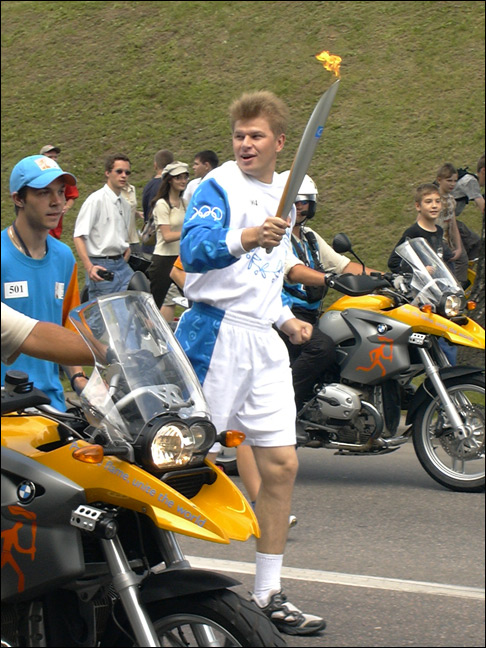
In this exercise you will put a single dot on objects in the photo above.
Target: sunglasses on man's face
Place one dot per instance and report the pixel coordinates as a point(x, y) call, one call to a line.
point(120, 171)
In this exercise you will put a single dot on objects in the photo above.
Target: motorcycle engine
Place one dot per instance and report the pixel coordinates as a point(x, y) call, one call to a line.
point(351, 415)
point(339, 401)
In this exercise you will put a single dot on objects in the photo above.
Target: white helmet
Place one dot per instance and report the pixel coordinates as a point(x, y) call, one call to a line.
point(308, 191)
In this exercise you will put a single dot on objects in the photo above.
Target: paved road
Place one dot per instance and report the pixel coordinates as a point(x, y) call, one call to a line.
point(386, 555)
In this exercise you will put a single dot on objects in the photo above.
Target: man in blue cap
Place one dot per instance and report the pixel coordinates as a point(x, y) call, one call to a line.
point(39, 272)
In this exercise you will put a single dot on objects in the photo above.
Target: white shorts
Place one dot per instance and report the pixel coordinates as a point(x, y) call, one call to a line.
point(248, 384)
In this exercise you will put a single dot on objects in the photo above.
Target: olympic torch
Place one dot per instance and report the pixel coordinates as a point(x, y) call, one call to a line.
point(310, 138)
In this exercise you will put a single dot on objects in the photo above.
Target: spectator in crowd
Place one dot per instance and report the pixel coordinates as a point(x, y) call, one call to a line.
point(102, 232)
point(466, 190)
point(39, 272)
point(130, 194)
point(445, 181)
point(428, 206)
point(169, 211)
point(204, 162)
point(161, 160)
point(72, 192)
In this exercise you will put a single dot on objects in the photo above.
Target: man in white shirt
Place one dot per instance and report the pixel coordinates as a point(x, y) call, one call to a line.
point(102, 232)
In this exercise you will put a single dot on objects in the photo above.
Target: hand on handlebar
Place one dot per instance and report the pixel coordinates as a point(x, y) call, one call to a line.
point(329, 279)
point(399, 282)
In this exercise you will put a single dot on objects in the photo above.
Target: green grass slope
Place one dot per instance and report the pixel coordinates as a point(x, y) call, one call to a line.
point(99, 77)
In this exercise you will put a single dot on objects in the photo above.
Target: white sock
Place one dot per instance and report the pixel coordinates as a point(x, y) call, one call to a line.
point(267, 576)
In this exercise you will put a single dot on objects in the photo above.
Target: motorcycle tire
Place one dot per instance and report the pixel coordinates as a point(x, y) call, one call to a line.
point(233, 620)
point(455, 464)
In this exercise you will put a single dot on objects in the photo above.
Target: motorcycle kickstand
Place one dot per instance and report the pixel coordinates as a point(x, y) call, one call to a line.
point(125, 582)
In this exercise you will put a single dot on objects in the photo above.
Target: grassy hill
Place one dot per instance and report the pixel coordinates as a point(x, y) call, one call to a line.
point(99, 77)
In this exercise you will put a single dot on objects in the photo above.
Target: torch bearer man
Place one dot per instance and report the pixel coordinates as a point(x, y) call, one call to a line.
point(228, 334)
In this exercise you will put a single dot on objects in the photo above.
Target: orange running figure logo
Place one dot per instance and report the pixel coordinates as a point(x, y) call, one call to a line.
point(377, 355)
point(10, 542)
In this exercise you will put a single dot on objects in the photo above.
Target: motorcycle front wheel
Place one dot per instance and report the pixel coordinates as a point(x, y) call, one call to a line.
point(455, 463)
point(221, 618)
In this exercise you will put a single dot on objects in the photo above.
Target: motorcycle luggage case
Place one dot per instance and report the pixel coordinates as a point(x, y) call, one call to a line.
point(40, 549)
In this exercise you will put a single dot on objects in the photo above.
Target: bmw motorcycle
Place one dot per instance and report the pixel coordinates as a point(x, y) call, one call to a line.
point(390, 366)
point(387, 330)
point(93, 500)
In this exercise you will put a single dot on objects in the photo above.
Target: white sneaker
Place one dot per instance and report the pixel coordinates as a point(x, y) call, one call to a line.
point(288, 618)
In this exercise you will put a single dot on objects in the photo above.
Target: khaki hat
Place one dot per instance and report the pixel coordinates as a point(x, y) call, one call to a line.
point(175, 168)
point(48, 148)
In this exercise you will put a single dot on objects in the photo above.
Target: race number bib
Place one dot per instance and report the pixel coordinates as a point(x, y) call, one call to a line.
point(15, 289)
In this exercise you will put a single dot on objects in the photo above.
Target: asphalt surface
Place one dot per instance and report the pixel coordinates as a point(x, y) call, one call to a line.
point(385, 554)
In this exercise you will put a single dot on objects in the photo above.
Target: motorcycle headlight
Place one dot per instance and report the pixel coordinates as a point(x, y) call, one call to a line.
point(204, 435)
point(172, 444)
point(451, 305)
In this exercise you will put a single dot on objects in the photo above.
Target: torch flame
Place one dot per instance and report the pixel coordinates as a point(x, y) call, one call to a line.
point(330, 62)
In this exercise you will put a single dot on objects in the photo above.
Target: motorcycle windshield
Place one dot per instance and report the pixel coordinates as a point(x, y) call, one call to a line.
point(140, 371)
point(431, 278)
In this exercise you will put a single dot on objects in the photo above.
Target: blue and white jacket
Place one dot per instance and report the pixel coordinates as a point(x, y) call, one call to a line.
point(220, 273)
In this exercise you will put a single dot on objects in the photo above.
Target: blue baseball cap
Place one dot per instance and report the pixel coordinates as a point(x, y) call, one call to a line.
point(37, 171)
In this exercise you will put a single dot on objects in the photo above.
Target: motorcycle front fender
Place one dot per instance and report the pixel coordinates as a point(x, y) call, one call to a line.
point(172, 583)
point(426, 388)
point(218, 513)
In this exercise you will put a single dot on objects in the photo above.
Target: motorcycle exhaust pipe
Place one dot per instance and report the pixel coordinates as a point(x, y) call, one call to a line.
point(397, 441)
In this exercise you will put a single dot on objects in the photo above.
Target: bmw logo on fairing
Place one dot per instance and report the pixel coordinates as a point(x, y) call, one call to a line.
point(382, 328)
point(26, 492)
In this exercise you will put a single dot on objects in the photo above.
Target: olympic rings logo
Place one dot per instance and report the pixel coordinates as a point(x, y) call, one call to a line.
point(206, 211)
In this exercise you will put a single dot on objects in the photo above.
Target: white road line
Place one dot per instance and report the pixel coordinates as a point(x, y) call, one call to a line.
point(349, 580)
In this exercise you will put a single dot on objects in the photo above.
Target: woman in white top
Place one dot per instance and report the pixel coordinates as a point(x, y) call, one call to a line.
point(169, 211)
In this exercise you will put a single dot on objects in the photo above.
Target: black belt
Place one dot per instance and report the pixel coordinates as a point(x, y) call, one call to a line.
point(114, 257)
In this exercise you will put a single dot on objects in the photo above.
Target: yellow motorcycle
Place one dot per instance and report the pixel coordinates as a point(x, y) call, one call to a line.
point(93, 500)
point(386, 331)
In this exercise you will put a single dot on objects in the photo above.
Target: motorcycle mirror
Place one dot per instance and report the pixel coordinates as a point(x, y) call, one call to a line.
point(139, 281)
point(341, 243)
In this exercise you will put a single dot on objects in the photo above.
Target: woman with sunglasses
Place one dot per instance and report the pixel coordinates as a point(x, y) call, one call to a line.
point(169, 209)
point(101, 233)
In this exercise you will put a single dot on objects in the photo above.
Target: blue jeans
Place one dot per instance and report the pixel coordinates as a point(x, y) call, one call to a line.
point(120, 269)
point(449, 349)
